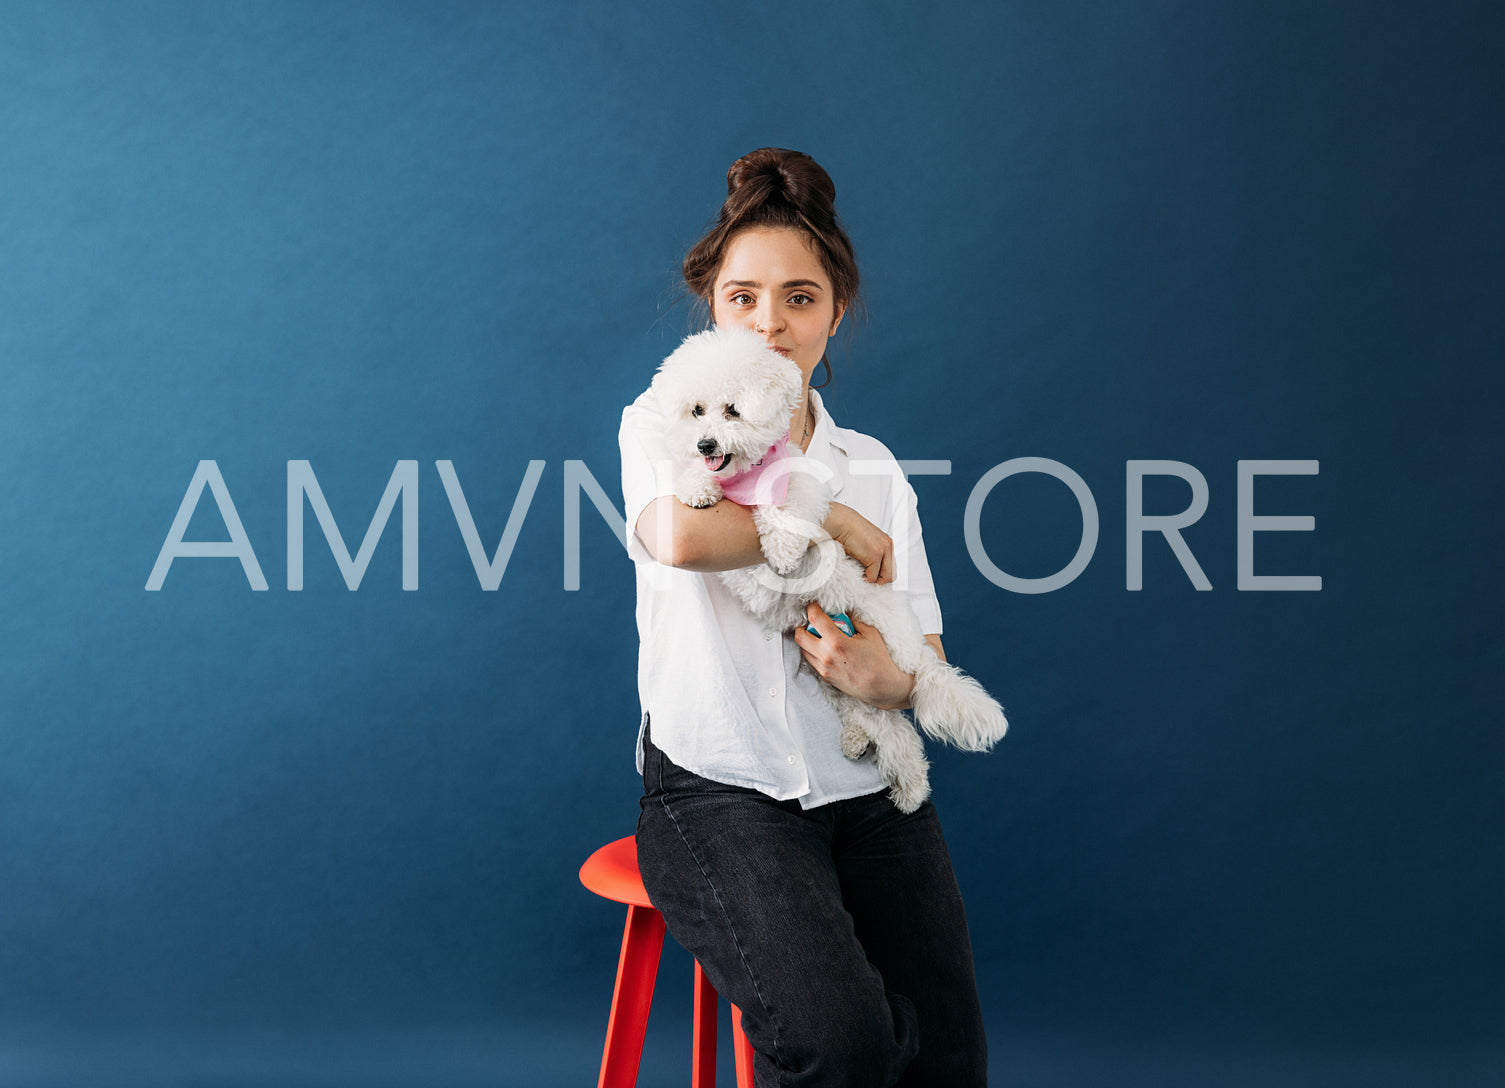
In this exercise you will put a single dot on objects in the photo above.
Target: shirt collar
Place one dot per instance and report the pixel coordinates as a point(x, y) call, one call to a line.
point(826, 431)
point(828, 444)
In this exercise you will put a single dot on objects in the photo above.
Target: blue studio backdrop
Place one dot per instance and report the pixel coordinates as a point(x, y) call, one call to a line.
point(311, 813)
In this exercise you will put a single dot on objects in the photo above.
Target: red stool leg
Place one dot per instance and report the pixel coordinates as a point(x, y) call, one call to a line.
point(703, 1041)
point(637, 969)
point(742, 1051)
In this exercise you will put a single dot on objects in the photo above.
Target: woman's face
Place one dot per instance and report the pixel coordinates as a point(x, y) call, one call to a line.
point(772, 282)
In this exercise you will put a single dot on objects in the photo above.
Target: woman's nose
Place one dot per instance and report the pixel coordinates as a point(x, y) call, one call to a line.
point(768, 321)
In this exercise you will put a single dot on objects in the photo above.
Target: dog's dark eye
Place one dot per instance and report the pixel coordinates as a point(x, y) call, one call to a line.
point(698, 410)
point(732, 413)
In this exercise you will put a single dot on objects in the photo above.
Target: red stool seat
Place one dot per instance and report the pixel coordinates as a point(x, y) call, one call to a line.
point(612, 873)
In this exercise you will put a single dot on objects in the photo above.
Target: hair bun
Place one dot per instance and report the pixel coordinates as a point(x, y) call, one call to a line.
point(777, 175)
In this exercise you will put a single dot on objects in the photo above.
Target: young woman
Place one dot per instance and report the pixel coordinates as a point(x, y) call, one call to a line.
point(832, 920)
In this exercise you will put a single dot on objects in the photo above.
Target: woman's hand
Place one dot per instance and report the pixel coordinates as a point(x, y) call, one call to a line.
point(863, 541)
point(856, 664)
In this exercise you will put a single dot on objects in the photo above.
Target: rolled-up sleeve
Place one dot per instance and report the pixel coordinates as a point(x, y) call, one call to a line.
point(647, 468)
point(914, 567)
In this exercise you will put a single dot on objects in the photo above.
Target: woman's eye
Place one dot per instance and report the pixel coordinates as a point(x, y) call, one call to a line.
point(742, 298)
point(800, 300)
point(698, 410)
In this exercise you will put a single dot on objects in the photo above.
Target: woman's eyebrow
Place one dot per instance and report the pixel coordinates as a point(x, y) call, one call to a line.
point(786, 285)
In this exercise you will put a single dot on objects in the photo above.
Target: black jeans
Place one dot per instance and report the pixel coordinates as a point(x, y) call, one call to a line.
point(838, 931)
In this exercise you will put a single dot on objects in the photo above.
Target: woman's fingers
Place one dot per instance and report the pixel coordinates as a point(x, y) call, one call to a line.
point(881, 568)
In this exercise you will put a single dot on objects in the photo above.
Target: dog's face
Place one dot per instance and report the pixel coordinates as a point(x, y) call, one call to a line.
point(728, 398)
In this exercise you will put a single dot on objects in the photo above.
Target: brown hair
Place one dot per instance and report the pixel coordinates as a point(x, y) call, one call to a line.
point(775, 188)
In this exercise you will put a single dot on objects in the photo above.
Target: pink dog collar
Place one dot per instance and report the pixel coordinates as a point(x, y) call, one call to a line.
point(761, 484)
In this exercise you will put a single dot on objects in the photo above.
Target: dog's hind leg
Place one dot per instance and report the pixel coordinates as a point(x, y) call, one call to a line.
point(855, 737)
point(900, 756)
point(897, 749)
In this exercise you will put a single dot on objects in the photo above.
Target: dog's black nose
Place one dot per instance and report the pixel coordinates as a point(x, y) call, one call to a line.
point(706, 446)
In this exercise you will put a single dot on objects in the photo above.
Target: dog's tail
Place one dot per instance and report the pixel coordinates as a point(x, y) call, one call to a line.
point(951, 706)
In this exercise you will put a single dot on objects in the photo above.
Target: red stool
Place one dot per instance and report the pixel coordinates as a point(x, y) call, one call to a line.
point(612, 872)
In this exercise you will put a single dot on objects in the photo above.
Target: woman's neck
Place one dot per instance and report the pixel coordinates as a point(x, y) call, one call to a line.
point(803, 423)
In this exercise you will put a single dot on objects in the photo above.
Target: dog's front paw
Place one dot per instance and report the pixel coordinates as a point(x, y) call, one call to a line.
point(783, 537)
point(783, 551)
point(698, 493)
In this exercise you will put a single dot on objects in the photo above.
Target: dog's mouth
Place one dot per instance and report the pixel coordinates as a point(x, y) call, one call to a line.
point(716, 464)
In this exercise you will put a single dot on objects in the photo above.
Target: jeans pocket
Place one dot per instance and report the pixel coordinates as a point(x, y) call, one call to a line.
point(660, 773)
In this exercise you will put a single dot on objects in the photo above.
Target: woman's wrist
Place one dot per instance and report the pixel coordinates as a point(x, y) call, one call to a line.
point(863, 541)
point(897, 692)
point(836, 521)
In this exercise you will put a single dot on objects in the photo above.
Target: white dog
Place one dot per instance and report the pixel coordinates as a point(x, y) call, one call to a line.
point(728, 398)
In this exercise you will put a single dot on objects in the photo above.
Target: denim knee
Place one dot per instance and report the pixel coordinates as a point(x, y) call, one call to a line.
point(857, 1042)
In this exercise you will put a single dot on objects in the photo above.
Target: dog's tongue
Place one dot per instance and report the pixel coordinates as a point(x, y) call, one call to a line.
point(716, 464)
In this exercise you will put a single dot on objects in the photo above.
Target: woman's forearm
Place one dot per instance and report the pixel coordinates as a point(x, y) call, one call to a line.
point(714, 538)
point(724, 537)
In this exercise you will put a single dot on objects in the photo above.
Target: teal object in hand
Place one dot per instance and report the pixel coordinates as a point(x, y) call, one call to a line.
point(842, 620)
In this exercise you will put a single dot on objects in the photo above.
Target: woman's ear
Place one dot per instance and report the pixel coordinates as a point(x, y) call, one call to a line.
point(836, 321)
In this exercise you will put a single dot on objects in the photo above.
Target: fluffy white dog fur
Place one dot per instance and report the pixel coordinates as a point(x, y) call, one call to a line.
point(728, 398)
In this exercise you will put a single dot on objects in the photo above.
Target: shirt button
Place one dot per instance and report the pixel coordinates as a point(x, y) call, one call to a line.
point(773, 692)
point(791, 759)
point(767, 636)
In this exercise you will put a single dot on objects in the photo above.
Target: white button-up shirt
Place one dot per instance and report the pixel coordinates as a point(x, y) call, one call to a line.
point(726, 697)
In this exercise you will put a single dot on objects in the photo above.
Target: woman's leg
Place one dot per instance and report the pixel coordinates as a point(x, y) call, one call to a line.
point(748, 886)
point(897, 882)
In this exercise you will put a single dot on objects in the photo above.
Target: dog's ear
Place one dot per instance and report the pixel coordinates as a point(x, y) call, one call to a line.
point(776, 391)
point(689, 372)
point(670, 383)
